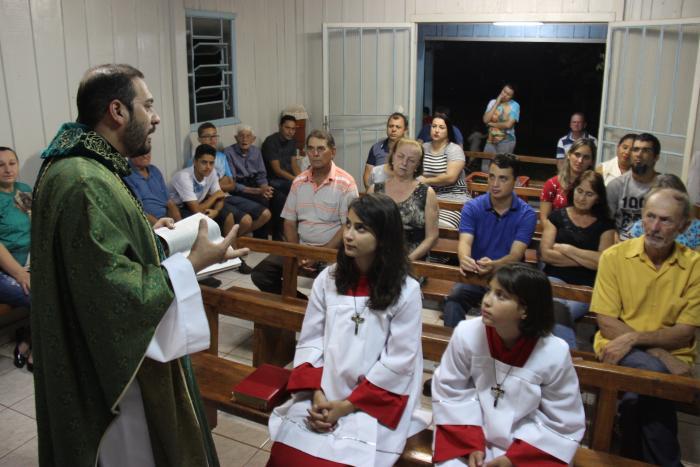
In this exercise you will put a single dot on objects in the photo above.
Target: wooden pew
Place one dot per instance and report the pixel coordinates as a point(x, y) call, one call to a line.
point(285, 314)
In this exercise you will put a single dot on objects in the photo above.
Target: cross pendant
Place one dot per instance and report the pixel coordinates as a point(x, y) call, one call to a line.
point(497, 393)
point(358, 320)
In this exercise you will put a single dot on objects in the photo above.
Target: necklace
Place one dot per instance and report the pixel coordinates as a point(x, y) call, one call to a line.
point(497, 391)
point(357, 317)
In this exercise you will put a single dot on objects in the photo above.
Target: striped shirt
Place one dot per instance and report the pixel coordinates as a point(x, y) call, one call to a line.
point(435, 164)
point(565, 143)
point(319, 210)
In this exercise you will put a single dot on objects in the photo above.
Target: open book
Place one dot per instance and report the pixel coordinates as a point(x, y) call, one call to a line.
point(182, 237)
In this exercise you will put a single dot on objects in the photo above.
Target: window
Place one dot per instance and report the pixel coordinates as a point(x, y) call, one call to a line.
point(210, 67)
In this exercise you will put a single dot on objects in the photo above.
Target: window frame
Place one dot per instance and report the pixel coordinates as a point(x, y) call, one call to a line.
point(222, 16)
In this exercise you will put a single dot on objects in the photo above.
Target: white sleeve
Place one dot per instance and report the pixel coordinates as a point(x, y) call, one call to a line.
point(559, 421)
point(184, 328)
point(182, 185)
point(310, 346)
point(455, 398)
point(395, 368)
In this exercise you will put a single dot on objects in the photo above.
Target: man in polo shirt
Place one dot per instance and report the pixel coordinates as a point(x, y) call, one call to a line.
point(495, 229)
point(647, 300)
point(279, 151)
point(396, 127)
point(577, 125)
point(315, 210)
point(196, 189)
point(147, 183)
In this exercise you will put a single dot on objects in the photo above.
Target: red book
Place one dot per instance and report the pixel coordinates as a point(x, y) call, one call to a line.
point(264, 389)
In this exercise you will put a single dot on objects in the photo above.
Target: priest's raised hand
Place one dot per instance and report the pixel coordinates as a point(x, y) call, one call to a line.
point(204, 253)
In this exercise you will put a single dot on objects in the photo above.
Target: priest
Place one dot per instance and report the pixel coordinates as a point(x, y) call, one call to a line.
point(112, 320)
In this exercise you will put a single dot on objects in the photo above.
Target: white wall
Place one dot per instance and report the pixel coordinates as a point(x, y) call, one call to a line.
point(46, 45)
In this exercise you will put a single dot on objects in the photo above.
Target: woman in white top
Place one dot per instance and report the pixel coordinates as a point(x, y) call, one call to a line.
point(616, 166)
point(443, 168)
point(358, 365)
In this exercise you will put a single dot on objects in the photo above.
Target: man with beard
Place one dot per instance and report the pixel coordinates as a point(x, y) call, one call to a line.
point(626, 192)
point(112, 321)
point(647, 302)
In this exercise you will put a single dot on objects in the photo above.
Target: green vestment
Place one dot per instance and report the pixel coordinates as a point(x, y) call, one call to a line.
point(98, 294)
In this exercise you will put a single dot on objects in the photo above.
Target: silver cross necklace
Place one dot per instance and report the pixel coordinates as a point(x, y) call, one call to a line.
point(497, 391)
point(357, 317)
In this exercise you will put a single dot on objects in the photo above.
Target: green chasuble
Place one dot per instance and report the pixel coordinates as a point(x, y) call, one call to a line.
point(98, 293)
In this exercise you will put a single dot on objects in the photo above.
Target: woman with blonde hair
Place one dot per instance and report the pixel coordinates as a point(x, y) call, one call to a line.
point(579, 158)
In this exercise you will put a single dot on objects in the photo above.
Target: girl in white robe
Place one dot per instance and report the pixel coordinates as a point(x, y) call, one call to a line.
point(506, 392)
point(358, 364)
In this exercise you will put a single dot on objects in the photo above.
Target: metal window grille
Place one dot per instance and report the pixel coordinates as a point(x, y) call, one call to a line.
point(211, 67)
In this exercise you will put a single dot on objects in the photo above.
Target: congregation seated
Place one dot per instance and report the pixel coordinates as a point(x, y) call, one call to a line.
point(425, 134)
point(572, 241)
point(647, 300)
point(279, 152)
point(15, 231)
point(196, 189)
point(626, 192)
point(495, 229)
point(358, 364)
point(416, 201)
point(147, 183)
point(375, 168)
point(251, 193)
point(506, 392)
point(315, 210)
point(619, 164)
point(690, 236)
point(555, 192)
point(577, 127)
point(443, 168)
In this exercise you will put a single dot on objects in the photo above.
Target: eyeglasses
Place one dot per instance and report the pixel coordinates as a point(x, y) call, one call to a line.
point(209, 137)
point(318, 150)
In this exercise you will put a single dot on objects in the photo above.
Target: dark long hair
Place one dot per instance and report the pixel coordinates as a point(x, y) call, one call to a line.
point(448, 123)
point(600, 208)
point(389, 268)
point(531, 288)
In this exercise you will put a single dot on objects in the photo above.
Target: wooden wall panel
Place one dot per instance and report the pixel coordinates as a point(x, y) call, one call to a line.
point(100, 38)
point(47, 29)
point(76, 47)
point(124, 20)
point(21, 84)
point(7, 137)
point(168, 99)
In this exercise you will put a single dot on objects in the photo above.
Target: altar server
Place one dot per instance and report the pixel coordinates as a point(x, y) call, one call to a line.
point(506, 392)
point(358, 364)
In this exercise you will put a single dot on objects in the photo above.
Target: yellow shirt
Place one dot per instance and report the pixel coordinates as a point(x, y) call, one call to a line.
point(629, 287)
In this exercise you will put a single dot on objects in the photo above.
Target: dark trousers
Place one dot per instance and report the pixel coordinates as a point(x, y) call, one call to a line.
point(648, 424)
point(282, 188)
point(462, 297)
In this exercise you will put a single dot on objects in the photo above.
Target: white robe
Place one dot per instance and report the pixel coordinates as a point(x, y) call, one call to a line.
point(386, 350)
point(541, 405)
point(182, 330)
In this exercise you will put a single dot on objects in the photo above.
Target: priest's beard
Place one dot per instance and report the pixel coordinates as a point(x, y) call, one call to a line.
point(136, 139)
point(640, 169)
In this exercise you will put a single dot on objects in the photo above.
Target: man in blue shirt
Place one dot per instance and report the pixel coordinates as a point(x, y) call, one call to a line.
point(495, 229)
point(147, 183)
point(251, 192)
point(396, 127)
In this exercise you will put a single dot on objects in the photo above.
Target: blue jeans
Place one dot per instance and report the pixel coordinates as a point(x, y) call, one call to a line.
point(11, 292)
point(648, 424)
point(576, 310)
point(462, 297)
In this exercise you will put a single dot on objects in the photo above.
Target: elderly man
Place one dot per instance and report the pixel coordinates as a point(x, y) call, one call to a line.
point(147, 183)
point(626, 193)
point(577, 125)
point(647, 300)
point(251, 192)
point(112, 321)
point(315, 210)
point(396, 127)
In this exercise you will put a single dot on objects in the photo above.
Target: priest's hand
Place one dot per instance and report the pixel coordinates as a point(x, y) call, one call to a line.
point(476, 459)
point(204, 253)
point(500, 461)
